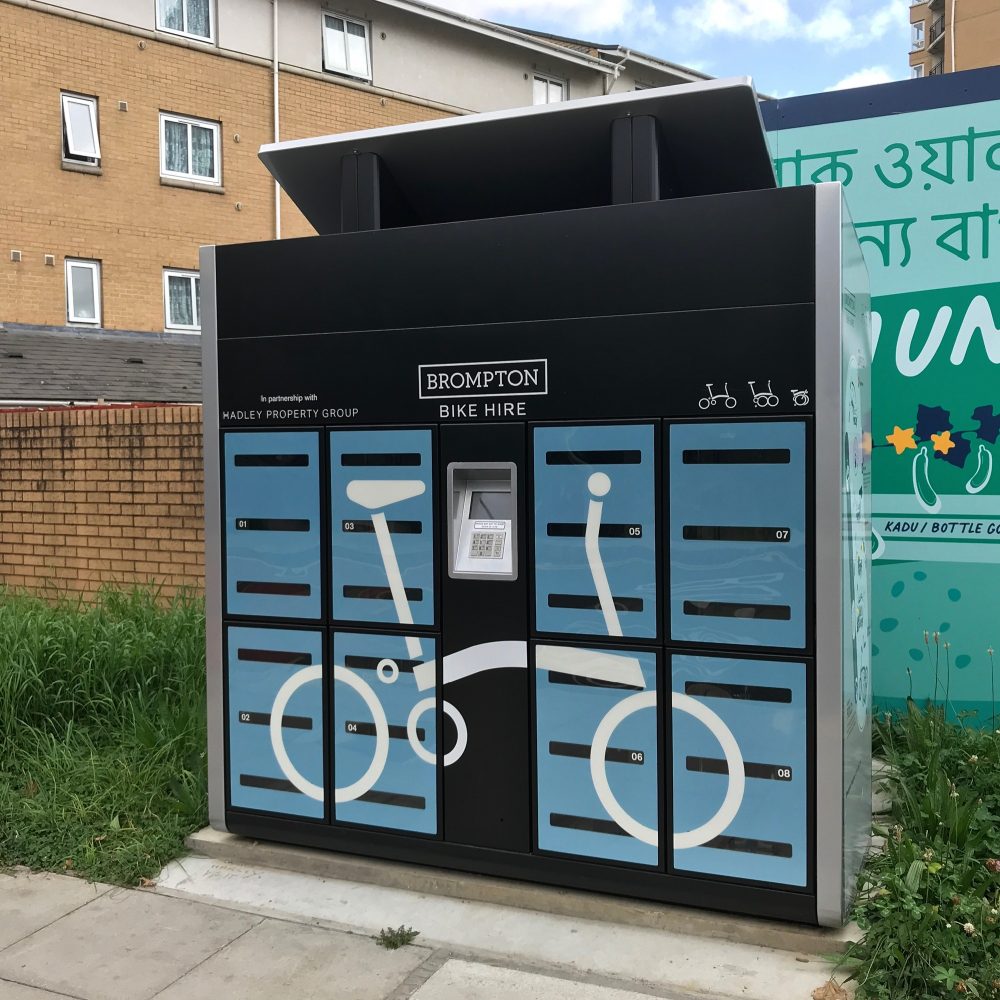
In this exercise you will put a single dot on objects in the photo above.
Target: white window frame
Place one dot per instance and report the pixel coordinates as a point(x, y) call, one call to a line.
point(548, 81)
point(216, 180)
point(94, 266)
point(916, 71)
point(915, 41)
point(210, 37)
point(173, 272)
point(68, 151)
point(366, 25)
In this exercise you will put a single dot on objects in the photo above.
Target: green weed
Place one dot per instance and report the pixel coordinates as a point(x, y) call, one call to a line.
point(929, 902)
point(396, 937)
point(102, 733)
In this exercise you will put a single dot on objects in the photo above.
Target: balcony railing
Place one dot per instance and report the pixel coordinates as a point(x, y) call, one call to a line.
point(936, 69)
point(936, 32)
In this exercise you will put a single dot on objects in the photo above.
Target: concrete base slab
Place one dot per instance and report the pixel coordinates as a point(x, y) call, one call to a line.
point(29, 902)
point(643, 958)
point(458, 980)
point(524, 895)
point(106, 951)
point(281, 959)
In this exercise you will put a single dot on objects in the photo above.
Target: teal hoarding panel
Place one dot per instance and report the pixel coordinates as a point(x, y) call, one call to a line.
point(920, 162)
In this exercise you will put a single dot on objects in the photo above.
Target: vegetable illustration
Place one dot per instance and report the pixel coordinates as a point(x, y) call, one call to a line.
point(984, 469)
point(922, 488)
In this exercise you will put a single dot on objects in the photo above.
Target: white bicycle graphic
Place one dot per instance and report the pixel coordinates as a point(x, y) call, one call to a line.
point(762, 398)
point(713, 397)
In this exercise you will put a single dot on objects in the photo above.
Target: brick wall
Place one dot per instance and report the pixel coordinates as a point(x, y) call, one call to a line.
point(126, 217)
point(101, 496)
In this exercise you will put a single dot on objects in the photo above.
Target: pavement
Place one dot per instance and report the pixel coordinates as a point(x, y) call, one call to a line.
point(213, 930)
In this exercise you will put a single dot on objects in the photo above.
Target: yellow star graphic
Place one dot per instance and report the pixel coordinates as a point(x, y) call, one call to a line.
point(901, 440)
point(943, 442)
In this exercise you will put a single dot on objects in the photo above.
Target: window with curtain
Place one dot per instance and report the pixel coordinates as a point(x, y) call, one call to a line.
point(181, 300)
point(345, 46)
point(185, 17)
point(547, 90)
point(189, 149)
point(83, 292)
point(80, 137)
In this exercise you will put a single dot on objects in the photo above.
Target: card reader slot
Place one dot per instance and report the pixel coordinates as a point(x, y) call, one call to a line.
point(578, 529)
point(353, 662)
point(627, 456)
point(380, 593)
point(264, 719)
point(353, 728)
point(740, 692)
point(616, 755)
point(713, 765)
point(272, 784)
point(588, 823)
point(274, 656)
point(272, 587)
point(409, 458)
point(270, 461)
point(726, 609)
point(588, 603)
point(748, 845)
point(734, 533)
point(737, 456)
point(272, 524)
point(395, 527)
point(558, 677)
point(393, 799)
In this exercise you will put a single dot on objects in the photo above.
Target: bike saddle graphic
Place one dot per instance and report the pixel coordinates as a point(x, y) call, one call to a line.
point(599, 485)
point(375, 495)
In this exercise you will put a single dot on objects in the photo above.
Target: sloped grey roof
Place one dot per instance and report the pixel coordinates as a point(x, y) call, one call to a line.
point(65, 365)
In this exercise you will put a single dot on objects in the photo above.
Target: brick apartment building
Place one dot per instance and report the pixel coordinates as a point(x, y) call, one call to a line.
point(131, 129)
point(949, 35)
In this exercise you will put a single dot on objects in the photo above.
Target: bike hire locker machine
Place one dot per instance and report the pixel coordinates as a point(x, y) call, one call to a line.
point(537, 507)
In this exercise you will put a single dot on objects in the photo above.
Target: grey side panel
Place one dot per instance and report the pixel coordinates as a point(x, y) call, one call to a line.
point(829, 547)
point(213, 546)
point(856, 353)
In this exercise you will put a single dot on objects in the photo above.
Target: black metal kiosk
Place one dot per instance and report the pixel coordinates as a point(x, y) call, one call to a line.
point(537, 507)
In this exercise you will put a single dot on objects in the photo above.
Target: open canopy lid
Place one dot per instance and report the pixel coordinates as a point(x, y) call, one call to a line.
point(537, 159)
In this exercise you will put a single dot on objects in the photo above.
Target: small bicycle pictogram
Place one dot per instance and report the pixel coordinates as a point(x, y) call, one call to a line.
point(713, 397)
point(761, 398)
point(800, 397)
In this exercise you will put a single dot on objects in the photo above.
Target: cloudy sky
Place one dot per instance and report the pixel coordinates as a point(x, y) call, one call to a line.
point(787, 46)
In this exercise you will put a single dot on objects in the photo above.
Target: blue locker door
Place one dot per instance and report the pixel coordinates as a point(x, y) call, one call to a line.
point(272, 528)
point(382, 501)
point(385, 732)
point(596, 753)
point(760, 706)
point(272, 769)
point(738, 533)
point(595, 530)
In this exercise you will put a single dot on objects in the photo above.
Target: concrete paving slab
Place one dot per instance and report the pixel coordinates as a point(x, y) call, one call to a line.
point(15, 991)
point(281, 959)
point(585, 948)
point(458, 980)
point(524, 895)
point(125, 945)
point(29, 901)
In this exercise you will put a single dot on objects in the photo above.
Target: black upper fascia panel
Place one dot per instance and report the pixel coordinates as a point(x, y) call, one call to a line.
point(716, 252)
point(535, 159)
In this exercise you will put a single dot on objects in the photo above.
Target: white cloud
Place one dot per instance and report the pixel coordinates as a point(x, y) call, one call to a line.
point(585, 17)
point(864, 78)
point(843, 24)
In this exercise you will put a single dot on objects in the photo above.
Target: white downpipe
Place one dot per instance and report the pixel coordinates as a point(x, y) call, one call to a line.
point(277, 118)
point(954, 68)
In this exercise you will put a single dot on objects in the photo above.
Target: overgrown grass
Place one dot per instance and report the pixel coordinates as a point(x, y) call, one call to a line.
point(102, 733)
point(929, 902)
